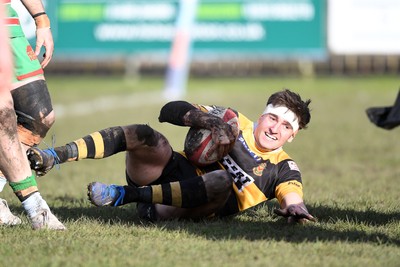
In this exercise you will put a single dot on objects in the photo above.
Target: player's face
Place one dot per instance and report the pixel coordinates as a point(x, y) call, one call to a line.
point(272, 132)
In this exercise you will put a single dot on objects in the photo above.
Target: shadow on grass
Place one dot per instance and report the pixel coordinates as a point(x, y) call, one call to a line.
point(334, 224)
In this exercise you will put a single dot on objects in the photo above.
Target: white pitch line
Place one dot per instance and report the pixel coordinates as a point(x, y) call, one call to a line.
point(109, 103)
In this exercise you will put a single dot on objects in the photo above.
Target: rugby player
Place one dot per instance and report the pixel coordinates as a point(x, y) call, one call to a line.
point(166, 185)
point(35, 115)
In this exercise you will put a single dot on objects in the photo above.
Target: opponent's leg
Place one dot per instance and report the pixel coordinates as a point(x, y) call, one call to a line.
point(198, 196)
point(36, 207)
point(15, 166)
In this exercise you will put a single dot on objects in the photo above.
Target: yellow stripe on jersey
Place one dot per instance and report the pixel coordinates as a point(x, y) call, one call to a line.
point(157, 193)
point(98, 145)
point(288, 187)
point(249, 196)
point(82, 148)
point(176, 194)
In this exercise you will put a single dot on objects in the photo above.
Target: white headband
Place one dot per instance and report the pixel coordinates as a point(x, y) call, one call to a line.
point(285, 113)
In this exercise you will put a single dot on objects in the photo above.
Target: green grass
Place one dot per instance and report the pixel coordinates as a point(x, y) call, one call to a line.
point(350, 168)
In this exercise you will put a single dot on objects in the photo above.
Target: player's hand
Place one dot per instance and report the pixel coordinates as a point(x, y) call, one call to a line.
point(296, 213)
point(223, 138)
point(44, 38)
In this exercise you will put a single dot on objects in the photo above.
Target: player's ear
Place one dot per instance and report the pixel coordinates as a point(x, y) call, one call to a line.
point(292, 136)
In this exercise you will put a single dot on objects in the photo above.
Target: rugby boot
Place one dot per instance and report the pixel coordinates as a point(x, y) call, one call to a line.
point(45, 219)
point(42, 161)
point(105, 195)
point(6, 217)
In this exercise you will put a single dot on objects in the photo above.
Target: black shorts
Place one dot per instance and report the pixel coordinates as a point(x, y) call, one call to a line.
point(178, 169)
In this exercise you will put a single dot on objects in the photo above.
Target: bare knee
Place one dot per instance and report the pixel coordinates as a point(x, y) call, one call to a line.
point(148, 153)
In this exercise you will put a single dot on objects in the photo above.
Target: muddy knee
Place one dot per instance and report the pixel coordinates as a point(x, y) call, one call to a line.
point(144, 134)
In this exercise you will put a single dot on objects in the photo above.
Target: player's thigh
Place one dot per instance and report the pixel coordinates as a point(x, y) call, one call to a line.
point(148, 152)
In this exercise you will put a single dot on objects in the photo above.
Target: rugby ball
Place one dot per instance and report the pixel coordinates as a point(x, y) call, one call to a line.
point(199, 141)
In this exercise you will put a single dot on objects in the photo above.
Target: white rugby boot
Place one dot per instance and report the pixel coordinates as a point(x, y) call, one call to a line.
point(40, 213)
point(6, 217)
point(45, 219)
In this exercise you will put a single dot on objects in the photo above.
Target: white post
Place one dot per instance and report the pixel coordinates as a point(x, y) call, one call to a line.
point(180, 55)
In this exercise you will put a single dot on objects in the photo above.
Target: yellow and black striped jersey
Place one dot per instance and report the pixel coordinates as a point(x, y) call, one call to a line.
point(258, 176)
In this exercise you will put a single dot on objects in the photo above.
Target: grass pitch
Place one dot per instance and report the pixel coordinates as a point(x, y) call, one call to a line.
point(350, 168)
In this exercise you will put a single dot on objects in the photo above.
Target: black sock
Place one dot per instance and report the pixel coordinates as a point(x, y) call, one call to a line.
point(97, 145)
point(189, 193)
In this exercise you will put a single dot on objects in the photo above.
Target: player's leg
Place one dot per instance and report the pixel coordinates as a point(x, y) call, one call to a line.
point(32, 102)
point(15, 167)
point(218, 189)
point(30, 97)
point(196, 197)
point(97, 145)
point(147, 150)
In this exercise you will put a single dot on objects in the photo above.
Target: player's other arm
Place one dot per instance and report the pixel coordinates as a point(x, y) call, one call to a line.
point(182, 113)
point(290, 197)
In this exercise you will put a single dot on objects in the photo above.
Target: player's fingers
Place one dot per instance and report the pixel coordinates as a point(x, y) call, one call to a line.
point(37, 48)
point(211, 151)
point(310, 218)
point(221, 151)
point(46, 60)
point(227, 149)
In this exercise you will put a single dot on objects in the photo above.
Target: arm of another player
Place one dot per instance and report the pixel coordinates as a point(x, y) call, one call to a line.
point(293, 208)
point(44, 36)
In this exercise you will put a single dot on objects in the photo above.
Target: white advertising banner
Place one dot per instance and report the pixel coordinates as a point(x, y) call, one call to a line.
point(364, 27)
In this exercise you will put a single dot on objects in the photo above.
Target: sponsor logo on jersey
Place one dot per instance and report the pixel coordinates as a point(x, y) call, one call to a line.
point(295, 184)
point(293, 166)
point(239, 176)
point(259, 169)
point(243, 141)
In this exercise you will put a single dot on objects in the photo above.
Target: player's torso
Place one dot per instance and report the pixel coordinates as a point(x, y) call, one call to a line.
point(255, 174)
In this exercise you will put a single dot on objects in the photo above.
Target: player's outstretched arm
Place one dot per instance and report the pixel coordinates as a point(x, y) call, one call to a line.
point(293, 208)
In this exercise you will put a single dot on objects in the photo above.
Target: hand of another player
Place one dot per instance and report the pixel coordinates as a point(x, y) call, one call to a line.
point(296, 213)
point(44, 38)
